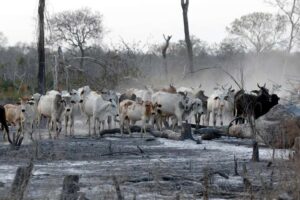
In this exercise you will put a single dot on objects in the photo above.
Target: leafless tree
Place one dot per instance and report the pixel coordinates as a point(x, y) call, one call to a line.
point(258, 30)
point(41, 48)
point(185, 6)
point(291, 9)
point(164, 52)
point(77, 29)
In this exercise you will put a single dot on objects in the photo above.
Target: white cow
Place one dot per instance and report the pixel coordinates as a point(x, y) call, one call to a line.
point(52, 107)
point(131, 112)
point(32, 113)
point(167, 104)
point(220, 101)
point(93, 106)
point(70, 100)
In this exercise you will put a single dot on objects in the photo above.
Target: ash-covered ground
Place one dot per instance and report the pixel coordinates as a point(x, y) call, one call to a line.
point(146, 168)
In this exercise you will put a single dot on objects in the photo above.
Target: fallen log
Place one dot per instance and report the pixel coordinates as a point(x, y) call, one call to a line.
point(186, 132)
point(210, 133)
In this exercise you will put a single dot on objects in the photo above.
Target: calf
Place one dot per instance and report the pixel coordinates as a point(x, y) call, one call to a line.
point(69, 101)
point(15, 114)
point(131, 112)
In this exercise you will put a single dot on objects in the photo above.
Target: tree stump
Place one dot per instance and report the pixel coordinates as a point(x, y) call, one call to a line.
point(20, 182)
point(70, 188)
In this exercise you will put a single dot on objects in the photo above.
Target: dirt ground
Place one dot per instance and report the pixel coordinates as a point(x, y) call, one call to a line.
point(146, 168)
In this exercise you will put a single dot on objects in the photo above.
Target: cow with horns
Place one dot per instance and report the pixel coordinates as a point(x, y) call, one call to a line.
point(250, 106)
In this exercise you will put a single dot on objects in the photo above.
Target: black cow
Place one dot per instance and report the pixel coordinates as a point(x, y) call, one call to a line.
point(249, 105)
point(3, 122)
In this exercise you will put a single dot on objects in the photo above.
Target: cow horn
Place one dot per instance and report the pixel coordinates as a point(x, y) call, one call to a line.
point(200, 85)
point(230, 87)
point(265, 85)
point(223, 87)
point(258, 85)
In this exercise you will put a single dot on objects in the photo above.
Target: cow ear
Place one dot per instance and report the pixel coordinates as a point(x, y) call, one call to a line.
point(226, 98)
point(82, 92)
point(232, 90)
point(255, 91)
point(216, 98)
point(18, 103)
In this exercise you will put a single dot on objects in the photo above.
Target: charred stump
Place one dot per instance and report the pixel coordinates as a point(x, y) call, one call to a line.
point(71, 188)
point(20, 182)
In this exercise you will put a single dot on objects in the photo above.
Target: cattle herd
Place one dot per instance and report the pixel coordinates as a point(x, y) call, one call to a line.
point(160, 108)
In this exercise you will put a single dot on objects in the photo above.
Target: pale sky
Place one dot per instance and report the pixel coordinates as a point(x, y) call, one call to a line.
point(134, 20)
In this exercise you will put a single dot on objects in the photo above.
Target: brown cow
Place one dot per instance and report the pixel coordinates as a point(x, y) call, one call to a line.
point(171, 89)
point(131, 112)
point(15, 114)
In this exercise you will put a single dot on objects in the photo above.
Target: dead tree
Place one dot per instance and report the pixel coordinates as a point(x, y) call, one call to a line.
point(185, 6)
point(41, 48)
point(20, 182)
point(164, 53)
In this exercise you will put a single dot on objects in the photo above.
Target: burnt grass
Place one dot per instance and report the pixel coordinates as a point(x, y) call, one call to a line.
point(145, 168)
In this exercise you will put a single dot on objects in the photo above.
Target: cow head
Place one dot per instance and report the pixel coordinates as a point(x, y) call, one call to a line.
point(23, 101)
point(149, 108)
point(109, 95)
point(66, 101)
point(197, 106)
point(185, 102)
point(83, 92)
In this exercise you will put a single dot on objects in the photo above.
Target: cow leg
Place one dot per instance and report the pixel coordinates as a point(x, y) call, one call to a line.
point(94, 125)
point(103, 124)
point(221, 118)
point(49, 122)
point(207, 118)
point(214, 118)
point(72, 125)
point(89, 124)
point(66, 125)
point(109, 122)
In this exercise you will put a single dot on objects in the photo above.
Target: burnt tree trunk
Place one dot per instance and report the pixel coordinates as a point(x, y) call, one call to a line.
point(70, 188)
point(41, 48)
point(164, 53)
point(255, 154)
point(61, 76)
point(185, 6)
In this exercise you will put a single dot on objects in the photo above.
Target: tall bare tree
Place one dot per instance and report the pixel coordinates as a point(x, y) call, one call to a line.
point(290, 8)
point(164, 52)
point(41, 48)
point(77, 29)
point(185, 6)
point(258, 30)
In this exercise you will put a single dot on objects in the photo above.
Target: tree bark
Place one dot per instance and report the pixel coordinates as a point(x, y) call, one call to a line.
point(61, 76)
point(82, 56)
point(41, 49)
point(164, 53)
point(185, 6)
